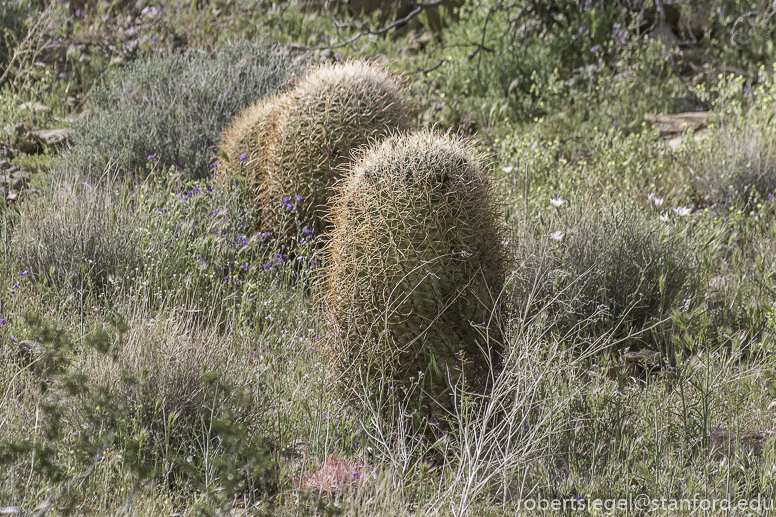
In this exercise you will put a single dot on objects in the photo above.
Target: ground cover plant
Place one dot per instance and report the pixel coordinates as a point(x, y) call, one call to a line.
point(162, 355)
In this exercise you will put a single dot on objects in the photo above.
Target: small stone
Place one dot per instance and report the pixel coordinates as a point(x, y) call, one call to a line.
point(36, 106)
point(18, 183)
point(754, 441)
point(29, 351)
point(52, 137)
point(678, 123)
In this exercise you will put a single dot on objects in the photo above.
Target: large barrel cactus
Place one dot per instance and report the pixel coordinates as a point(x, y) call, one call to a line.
point(333, 110)
point(415, 270)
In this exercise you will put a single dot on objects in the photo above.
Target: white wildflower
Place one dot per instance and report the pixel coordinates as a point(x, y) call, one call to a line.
point(556, 236)
point(659, 201)
point(664, 217)
point(508, 169)
point(683, 211)
point(556, 202)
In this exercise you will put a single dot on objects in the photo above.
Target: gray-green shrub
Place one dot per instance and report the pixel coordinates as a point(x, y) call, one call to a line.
point(81, 235)
point(607, 269)
point(170, 110)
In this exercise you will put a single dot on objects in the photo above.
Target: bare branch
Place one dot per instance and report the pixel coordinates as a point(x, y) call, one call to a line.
point(420, 8)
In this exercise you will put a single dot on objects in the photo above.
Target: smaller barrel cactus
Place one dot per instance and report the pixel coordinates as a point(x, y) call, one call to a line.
point(248, 141)
point(415, 270)
point(333, 110)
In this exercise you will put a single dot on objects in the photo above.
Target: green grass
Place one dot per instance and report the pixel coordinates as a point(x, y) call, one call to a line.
point(184, 365)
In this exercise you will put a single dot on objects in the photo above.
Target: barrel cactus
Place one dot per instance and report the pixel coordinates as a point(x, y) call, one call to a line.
point(333, 110)
point(247, 143)
point(415, 270)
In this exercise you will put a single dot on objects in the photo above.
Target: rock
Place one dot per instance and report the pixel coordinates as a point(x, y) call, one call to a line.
point(4, 164)
point(641, 363)
point(20, 129)
point(5, 179)
point(677, 141)
point(36, 106)
point(679, 122)
point(52, 137)
point(19, 180)
point(753, 442)
point(723, 442)
point(28, 352)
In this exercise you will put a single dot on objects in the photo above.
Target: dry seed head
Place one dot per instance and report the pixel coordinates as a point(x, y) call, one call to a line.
point(334, 110)
point(416, 267)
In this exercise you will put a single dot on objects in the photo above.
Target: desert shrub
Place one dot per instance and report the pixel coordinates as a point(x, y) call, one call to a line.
point(165, 244)
point(80, 236)
point(181, 385)
point(603, 269)
point(415, 270)
point(156, 401)
point(172, 109)
point(736, 165)
point(333, 111)
point(13, 21)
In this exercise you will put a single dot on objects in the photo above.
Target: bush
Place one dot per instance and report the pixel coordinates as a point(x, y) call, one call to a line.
point(80, 236)
point(603, 270)
point(177, 385)
point(172, 109)
point(737, 164)
point(13, 20)
point(416, 269)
